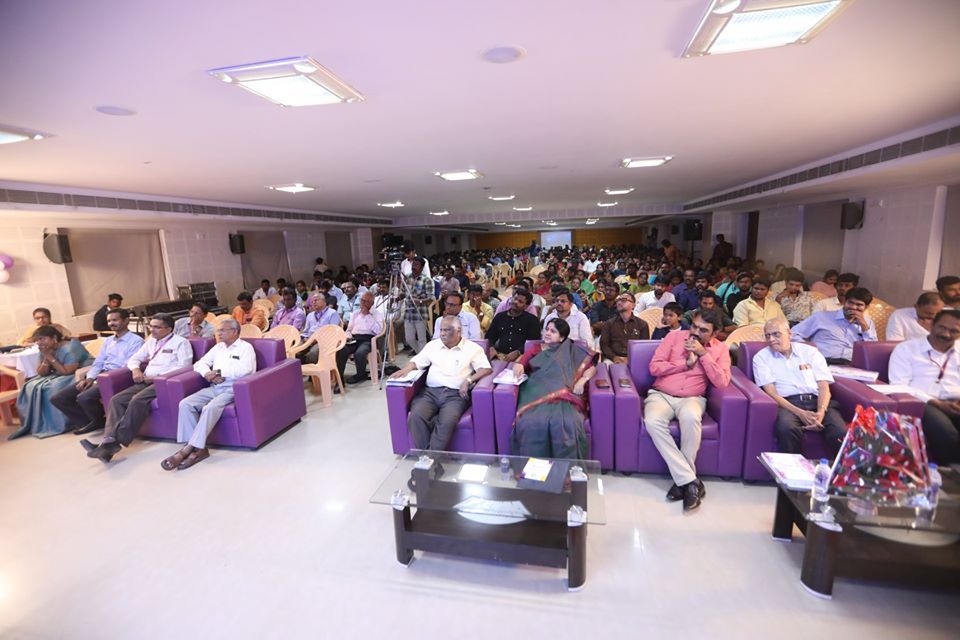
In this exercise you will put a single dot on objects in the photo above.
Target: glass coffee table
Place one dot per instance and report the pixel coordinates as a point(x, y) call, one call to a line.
point(851, 538)
point(506, 508)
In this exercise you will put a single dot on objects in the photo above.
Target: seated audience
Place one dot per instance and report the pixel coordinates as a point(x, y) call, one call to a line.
point(114, 300)
point(620, 329)
point(827, 286)
point(456, 365)
point(796, 376)
point(914, 322)
point(490, 296)
point(564, 308)
point(246, 313)
point(59, 360)
point(453, 306)
point(551, 406)
point(477, 307)
point(670, 321)
point(710, 301)
point(228, 361)
point(932, 366)
point(758, 308)
point(417, 308)
point(845, 282)
point(41, 317)
point(321, 315)
point(80, 402)
point(796, 303)
point(531, 307)
point(364, 325)
point(406, 267)
point(510, 330)
point(449, 282)
point(289, 313)
point(265, 292)
point(303, 295)
point(349, 302)
point(949, 289)
point(163, 352)
point(684, 364)
point(606, 309)
point(659, 297)
point(686, 292)
point(741, 292)
point(194, 325)
point(834, 332)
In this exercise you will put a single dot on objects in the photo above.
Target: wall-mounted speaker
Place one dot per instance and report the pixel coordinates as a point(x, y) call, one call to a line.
point(236, 243)
point(692, 230)
point(674, 229)
point(56, 247)
point(453, 240)
point(851, 215)
point(427, 239)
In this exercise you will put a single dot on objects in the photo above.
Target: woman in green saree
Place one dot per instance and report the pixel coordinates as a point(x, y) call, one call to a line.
point(552, 405)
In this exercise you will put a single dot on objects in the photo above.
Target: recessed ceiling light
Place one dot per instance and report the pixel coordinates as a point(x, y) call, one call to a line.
point(440, 213)
point(607, 204)
point(296, 187)
point(523, 208)
point(9, 135)
point(730, 26)
point(592, 220)
point(290, 82)
point(390, 205)
point(515, 226)
point(635, 163)
point(500, 224)
point(498, 198)
point(469, 174)
point(504, 55)
point(111, 110)
point(618, 192)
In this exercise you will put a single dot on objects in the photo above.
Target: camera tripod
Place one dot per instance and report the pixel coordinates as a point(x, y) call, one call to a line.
point(398, 292)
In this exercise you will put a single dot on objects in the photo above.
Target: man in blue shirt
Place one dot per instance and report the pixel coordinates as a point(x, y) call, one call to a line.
point(80, 403)
point(686, 292)
point(834, 332)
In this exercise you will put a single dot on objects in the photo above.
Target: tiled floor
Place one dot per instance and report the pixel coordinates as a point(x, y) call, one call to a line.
point(282, 543)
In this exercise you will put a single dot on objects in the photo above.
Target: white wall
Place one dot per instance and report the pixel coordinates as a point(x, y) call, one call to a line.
point(303, 248)
point(779, 234)
point(822, 239)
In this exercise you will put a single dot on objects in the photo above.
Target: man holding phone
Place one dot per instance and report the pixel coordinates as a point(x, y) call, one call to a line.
point(796, 376)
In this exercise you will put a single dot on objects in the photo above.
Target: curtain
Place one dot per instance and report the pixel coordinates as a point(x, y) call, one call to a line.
point(265, 256)
point(127, 262)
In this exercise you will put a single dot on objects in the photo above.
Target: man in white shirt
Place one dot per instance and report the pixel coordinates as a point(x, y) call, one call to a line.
point(349, 302)
point(406, 267)
point(229, 360)
point(162, 353)
point(659, 297)
point(456, 365)
point(580, 328)
point(931, 365)
point(845, 282)
point(454, 307)
point(796, 376)
point(265, 291)
point(914, 322)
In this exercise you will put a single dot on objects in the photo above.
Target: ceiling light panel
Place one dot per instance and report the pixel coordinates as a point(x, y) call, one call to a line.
point(618, 192)
point(608, 204)
point(390, 205)
point(453, 176)
point(296, 187)
point(290, 82)
point(501, 198)
point(523, 208)
point(760, 24)
point(440, 213)
point(10, 135)
point(640, 163)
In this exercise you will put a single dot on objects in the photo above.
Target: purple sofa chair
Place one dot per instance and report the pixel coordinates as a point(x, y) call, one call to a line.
point(598, 424)
point(875, 356)
point(474, 432)
point(762, 412)
point(724, 421)
point(113, 382)
point(265, 402)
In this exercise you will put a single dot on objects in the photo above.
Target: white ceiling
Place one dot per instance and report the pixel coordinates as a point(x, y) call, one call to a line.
point(601, 81)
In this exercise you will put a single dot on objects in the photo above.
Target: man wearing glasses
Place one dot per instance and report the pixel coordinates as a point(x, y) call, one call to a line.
point(796, 376)
point(620, 329)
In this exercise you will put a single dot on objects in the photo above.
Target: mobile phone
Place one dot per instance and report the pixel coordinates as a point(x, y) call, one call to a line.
point(624, 383)
point(603, 384)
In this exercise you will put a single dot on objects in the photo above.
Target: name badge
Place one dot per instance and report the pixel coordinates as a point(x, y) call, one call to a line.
point(167, 351)
point(235, 357)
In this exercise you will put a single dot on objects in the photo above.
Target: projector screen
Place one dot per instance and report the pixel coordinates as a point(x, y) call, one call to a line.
point(549, 239)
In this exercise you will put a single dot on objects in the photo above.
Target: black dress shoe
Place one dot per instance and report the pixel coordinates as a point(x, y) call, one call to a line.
point(88, 446)
point(675, 493)
point(106, 451)
point(692, 496)
point(90, 427)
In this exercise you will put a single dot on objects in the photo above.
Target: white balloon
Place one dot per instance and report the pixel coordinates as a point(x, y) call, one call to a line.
point(4, 276)
point(3, 267)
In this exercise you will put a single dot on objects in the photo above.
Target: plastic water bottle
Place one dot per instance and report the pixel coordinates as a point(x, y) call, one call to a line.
point(821, 481)
point(933, 490)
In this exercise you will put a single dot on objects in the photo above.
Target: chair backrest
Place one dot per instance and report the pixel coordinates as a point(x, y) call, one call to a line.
point(879, 311)
point(330, 339)
point(220, 318)
point(93, 347)
point(751, 333)
point(211, 317)
point(652, 317)
point(817, 296)
point(200, 346)
point(748, 349)
point(873, 356)
point(639, 355)
point(275, 299)
point(285, 332)
point(250, 331)
point(267, 305)
point(269, 351)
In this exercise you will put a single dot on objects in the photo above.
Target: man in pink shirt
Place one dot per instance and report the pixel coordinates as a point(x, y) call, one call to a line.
point(684, 364)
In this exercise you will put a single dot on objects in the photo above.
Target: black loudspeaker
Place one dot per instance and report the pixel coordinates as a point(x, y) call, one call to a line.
point(851, 215)
point(674, 229)
point(692, 230)
point(427, 239)
point(453, 240)
point(56, 247)
point(236, 243)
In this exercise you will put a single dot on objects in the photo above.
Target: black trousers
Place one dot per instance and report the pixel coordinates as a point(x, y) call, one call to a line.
point(942, 433)
point(788, 428)
point(359, 350)
point(80, 407)
point(127, 412)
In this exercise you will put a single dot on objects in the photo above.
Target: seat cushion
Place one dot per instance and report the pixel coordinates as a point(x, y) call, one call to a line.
point(709, 429)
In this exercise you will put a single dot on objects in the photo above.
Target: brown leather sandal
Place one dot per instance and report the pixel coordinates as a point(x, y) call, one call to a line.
point(174, 461)
point(194, 458)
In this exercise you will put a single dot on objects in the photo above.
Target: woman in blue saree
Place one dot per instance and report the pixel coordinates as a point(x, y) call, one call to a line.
point(60, 360)
point(552, 406)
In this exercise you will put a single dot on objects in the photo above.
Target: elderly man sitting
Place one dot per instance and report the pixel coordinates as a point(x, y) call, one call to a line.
point(230, 359)
point(914, 322)
point(796, 376)
point(194, 325)
point(365, 324)
point(456, 365)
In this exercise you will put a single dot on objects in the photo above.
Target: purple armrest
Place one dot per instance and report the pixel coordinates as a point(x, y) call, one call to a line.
point(505, 398)
point(601, 419)
point(269, 401)
point(481, 401)
point(728, 407)
point(398, 406)
point(627, 408)
point(761, 416)
point(113, 382)
point(849, 393)
point(176, 389)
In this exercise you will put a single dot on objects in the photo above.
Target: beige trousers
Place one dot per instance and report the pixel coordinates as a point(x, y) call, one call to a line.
point(658, 410)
